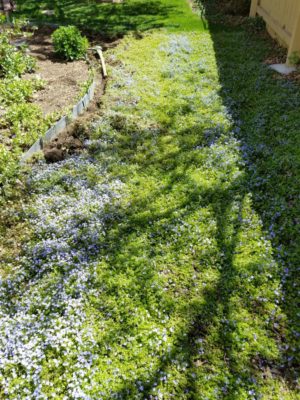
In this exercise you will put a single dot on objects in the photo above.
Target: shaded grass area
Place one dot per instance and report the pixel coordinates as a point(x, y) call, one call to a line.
point(265, 108)
point(114, 19)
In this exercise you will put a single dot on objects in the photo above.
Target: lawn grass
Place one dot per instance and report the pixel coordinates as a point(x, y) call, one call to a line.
point(163, 260)
point(116, 19)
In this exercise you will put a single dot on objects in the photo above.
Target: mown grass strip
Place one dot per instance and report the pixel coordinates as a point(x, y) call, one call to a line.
point(115, 19)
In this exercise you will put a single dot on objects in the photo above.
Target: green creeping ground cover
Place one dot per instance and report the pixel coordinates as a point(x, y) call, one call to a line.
point(21, 122)
point(162, 262)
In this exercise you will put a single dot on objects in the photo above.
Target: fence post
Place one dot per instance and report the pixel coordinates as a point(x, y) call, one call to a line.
point(253, 9)
point(295, 40)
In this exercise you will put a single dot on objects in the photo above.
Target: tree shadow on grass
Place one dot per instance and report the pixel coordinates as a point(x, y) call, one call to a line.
point(265, 109)
point(212, 337)
point(108, 19)
point(215, 318)
point(211, 317)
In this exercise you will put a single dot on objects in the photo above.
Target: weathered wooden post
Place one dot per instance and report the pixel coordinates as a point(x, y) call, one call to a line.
point(7, 6)
point(294, 46)
point(253, 9)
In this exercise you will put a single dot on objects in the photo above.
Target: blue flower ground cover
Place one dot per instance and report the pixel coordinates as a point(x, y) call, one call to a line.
point(162, 262)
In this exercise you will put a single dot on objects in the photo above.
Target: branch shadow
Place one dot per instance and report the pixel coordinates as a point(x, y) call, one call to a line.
point(108, 19)
point(215, 302)
point(211, 322)
point(265, 110)
point(214, 313)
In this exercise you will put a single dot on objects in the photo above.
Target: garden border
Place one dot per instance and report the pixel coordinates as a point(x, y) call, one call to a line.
point(62, 123)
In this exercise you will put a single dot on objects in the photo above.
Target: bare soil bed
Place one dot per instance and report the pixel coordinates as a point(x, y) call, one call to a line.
point(71, 140)
point(63, 80)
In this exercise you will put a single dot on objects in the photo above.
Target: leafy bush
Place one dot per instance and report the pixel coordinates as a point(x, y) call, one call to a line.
point(9, 167)
point(26, 123)
point(19, 117)
point(19, 25)
point(2, 19)
point(12, 62)
point(16, 91)
point(294, 58)
point(69, 43)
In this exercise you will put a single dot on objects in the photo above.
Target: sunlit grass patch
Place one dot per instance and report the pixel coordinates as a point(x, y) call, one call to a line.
point(118, 18)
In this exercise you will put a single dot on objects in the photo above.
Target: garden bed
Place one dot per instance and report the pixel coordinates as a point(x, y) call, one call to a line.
point(36, 89)
point(63, 80)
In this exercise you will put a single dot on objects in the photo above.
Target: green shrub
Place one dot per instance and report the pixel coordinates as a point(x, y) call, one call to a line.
point(19, 25)
point(294, 58)
point(21, 122)
point(9, 167)
point(13, 62)
point(69, 43)
point(2, 19)
point(16, 91)
point(26, 123)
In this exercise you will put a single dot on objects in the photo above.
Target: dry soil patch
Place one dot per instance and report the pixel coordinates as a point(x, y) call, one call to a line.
point(63, 80)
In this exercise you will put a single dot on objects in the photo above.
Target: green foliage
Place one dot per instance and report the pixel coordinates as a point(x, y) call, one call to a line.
point(192, 219)
point(294, 58)
point(84, 87)
point(21, 122)
point(183, 283)
point(2, 19)
point(234, 7)
point(113, 20)
point(21, 126)
point(265, 112)
point(19, 26)
point(8, 170)
point(25, 122)
point(69, 43)
point(15, 91)
point(12, 62)
point(256, 24)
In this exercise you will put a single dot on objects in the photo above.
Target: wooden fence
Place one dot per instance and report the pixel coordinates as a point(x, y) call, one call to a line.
point(283, 21)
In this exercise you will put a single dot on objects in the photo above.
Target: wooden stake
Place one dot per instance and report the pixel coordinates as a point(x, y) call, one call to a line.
point(100, 54)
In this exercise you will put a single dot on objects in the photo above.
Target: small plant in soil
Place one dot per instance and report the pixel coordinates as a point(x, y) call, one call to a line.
point(13, 63)
point(69, 43)
point(294, 58)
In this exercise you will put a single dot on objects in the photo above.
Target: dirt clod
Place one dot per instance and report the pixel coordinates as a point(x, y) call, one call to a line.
point(70, 141)
point(53, 155)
